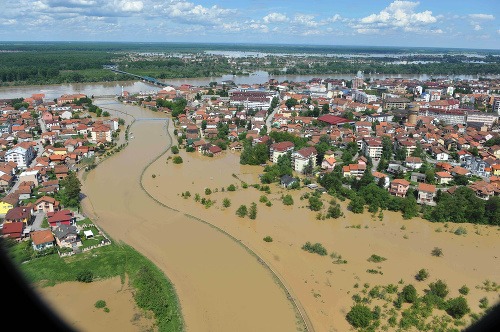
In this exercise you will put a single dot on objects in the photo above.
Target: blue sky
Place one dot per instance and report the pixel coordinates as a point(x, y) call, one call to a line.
point(431, 23)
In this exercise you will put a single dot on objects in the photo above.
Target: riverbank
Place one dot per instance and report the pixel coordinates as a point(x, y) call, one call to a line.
point(325, 289)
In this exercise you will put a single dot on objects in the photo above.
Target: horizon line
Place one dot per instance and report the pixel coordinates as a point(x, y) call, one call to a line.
point(245, 44)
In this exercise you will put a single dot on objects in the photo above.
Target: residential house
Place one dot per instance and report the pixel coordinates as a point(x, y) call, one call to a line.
point(399, 187)
point(67, 236)
point(278, 149)
point(61, 217)
point(6, 181)
point(426, 194)
point(304, 157)
point(418, 177)
point(13, 230)
point(47, 204)
point(31, 175)
point(214, 150)
point(286, 181)
point(443, 177)
point(43, 239)
point(22, 154)
point(19, 214)
point(328, 163)
point(439, 153)
point(381, 178)
point(354, 170)
point(413, 162)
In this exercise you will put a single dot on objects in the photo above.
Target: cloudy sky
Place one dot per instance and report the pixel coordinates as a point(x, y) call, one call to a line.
point(446, 23)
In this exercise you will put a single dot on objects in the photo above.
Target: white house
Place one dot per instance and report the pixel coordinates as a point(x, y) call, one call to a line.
point(302, 158)
point(22, 154)
point(278, 149)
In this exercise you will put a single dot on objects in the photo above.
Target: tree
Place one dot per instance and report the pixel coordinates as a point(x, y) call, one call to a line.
point(291, 102)
point(252, 212)
point(439, 288)
point(177, 160)
point(409, 294)
point(71, 188)
point(409, 207)
point(357, 204)
point(359, 316)
point(457, 307)
point(174, 149)
point(315, 204)
point(242, 211)
point(226, 202)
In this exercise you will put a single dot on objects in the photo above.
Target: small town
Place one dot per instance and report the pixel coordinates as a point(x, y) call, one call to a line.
point(431, 137)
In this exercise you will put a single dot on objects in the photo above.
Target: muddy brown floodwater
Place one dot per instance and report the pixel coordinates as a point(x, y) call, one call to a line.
point(222, 287)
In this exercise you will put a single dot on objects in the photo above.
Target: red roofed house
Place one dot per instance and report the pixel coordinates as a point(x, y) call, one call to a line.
point(62, 217)
point(426, 193)
point(13, 230)
point(443, 177)
point(101, 133)
point(399, 187)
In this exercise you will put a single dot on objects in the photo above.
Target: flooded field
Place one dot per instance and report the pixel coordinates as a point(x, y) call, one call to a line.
point(75, 301)
point(222, 287)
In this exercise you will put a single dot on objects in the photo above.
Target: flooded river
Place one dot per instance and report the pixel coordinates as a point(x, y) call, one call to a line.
point(220, 285)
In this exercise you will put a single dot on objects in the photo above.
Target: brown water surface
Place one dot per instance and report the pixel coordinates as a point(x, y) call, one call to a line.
point(220, 285)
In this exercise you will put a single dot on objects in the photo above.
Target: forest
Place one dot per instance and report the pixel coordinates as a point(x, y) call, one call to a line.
point(56, 63)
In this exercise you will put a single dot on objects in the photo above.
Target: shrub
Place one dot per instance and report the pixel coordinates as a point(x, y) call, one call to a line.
point(174, 149)
point(464, 290)
point(422, 275)
point(268, 239)
point(231, 187)
point(190, 149)
point(263, 199)
point(244, 185)
point(483, 303)
point(100, 304)
point(208, 191)
point(177, 160)
point(287, 200)
point(460, 231)
point(438, 288)
point(226, 202)
point(409, 294)
point(242, 211)
point(359, 316)
point(458, 307)
point(85, 276)
point(268, 203)
point(437, 252)
point(315, 204)
point(316, 248)
point(153, 176)
point(376, 258)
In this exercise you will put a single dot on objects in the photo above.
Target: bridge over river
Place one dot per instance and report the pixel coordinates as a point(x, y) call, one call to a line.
point(146, 79)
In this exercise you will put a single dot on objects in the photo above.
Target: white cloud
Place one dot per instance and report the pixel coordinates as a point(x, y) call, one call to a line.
point(307, 20)
point(275, 17)
point(477, 27)
point(335, 18)
point(399, 14)
point(131, 6)
point(366, 31)
point(486, 17)
point(8, 22)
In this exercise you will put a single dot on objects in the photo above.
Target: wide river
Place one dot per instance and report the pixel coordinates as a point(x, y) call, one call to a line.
point(221, 286)
point(257, 77)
